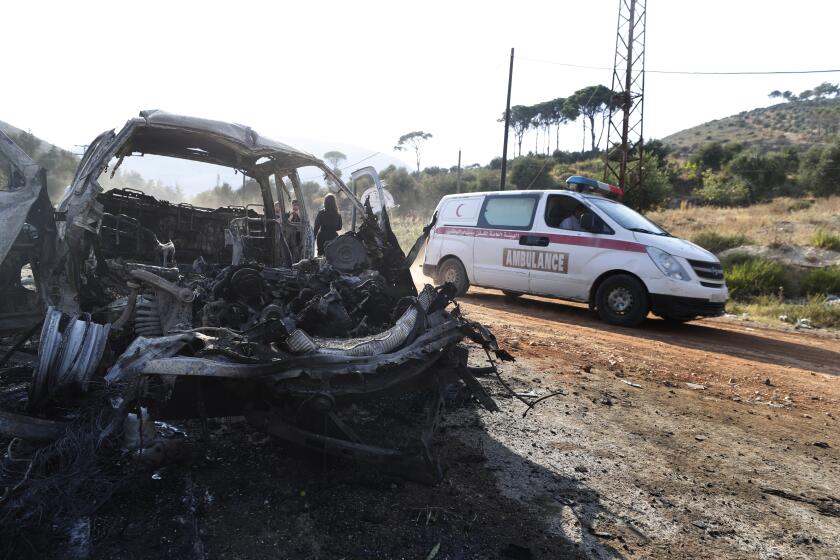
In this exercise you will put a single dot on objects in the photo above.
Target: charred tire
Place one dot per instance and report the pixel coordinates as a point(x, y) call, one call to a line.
point(451, 270)
point(622, 300)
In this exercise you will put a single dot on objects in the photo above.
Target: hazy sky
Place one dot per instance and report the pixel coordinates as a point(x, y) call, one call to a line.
point(365, 72)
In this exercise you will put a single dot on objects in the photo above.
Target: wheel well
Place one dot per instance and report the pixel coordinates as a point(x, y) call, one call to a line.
point(598, 281)
point(447, 257)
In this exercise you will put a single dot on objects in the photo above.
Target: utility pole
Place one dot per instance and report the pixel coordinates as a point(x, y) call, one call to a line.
point(624, 159)
point(507, 123)
point(458, 177)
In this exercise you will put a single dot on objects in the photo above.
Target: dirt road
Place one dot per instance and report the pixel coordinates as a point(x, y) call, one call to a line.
point(714, 439)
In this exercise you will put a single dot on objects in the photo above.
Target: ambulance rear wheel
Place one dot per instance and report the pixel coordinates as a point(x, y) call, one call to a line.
point(451, 270)
point(622, 300)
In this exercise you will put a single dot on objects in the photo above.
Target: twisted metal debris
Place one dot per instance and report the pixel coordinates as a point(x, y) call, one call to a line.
point(151, 311)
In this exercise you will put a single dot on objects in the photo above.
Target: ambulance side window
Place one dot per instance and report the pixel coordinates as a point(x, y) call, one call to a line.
point(508, 211)
point(564, 212)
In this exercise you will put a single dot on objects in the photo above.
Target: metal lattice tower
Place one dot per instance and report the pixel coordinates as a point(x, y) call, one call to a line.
point(624, 135)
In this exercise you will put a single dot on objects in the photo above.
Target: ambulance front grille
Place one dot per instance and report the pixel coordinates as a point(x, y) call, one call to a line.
point(707, 271)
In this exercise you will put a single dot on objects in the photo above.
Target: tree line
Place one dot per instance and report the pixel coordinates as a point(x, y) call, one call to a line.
point(587, 103)
point(823, 91)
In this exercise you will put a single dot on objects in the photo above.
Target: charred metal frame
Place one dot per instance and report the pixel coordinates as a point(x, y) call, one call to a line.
point(266, 366)
point(215, 142)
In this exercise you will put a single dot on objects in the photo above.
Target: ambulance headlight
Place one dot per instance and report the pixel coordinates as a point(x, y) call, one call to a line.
point(666, 262)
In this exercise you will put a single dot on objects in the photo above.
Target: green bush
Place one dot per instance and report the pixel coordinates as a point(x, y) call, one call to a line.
point(532, 172)
point(714, 155)
point(821, 281)
point(765, 175)
point(717, 243)
point(756, 277)
point(487, 180)
point(826, 240)
point(819, 169)
point(656, 189)
point(402, 185)
point(721, 189)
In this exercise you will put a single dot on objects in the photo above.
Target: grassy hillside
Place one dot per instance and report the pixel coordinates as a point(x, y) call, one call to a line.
point(59, 163)
point(783, 221)
point(14, 133)
point(798, 123)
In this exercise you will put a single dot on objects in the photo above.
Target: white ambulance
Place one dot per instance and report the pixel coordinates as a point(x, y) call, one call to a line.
point(574, 245)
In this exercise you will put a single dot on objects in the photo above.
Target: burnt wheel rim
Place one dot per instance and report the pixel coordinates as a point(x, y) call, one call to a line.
point(620, 300)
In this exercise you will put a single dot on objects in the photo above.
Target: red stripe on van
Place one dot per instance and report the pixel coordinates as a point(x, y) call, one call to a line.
point(601, 243)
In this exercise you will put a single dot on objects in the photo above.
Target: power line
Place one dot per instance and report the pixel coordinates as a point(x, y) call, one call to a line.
point(349, 165)
point(582, 66)
point(360, 161)
point(689, 72)
point(743, 73)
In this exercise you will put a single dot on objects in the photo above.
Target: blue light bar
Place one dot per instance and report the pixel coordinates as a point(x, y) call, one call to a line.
point(592, 184)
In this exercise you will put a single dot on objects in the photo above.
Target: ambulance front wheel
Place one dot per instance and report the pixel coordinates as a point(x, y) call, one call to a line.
point(622, 300)
point(451, 270)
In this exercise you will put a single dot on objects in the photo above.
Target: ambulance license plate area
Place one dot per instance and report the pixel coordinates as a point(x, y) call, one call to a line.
point(717, 298)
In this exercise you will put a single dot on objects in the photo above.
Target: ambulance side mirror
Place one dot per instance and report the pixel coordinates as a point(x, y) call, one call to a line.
point(587, 222)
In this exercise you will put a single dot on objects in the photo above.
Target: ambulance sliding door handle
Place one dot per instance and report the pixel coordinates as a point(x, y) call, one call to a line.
point(533, 240)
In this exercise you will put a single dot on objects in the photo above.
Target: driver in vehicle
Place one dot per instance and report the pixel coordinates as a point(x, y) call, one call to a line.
point(572, 221)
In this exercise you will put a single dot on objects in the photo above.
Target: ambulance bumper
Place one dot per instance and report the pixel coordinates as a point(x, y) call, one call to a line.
point(685, 307)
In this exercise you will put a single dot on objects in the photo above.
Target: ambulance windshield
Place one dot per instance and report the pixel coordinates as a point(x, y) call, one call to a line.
point(625, 217)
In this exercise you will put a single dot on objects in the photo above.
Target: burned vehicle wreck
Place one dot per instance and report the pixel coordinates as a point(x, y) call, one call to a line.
point(150, 311)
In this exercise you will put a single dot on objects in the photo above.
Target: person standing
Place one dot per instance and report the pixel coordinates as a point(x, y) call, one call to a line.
point(327, 223)
point(294, 216)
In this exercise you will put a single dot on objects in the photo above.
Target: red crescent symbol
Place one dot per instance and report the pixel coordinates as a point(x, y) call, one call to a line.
point(458, 210)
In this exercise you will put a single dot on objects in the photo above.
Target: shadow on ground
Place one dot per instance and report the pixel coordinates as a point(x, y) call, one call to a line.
point(259, 498)
point(696, 335)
